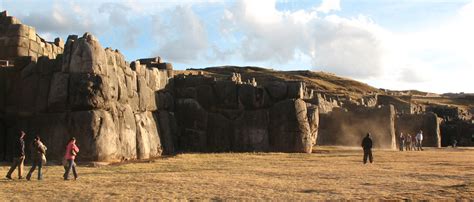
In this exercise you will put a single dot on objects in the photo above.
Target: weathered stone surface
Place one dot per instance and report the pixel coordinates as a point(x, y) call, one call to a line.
point(192, 121)
point(168, 131)
point(226, 92)
point(289, 127)
point(277, 90)
point(95, 131)
point(127, 131)
point(58, 92)
point(148, 140)
point(88, 91)
point(251, 132)
point(296, 90)
point(220, 133)
point(87, 56)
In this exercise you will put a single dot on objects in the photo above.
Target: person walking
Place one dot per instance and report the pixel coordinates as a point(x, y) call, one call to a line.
point(408, 142)
point(38, 157)
point(367, 146)
point(70, 156)
point(419, 140)
point(402, 141)
point(19, 157)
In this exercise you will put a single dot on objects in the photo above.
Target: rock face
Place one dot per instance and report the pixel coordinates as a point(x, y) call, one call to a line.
point(92, 94)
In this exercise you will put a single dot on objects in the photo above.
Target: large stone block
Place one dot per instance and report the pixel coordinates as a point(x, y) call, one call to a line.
point(124, 120)
point(251, 131)
point(168, 131)
point(289, 129)
point(277, 90)
point(86, 55)
point(220, 133)
point(96, 135)
point(148, 140)
point(58, 92)
point(226, 92)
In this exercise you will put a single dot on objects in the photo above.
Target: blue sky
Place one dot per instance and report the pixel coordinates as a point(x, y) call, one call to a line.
point(397, 44)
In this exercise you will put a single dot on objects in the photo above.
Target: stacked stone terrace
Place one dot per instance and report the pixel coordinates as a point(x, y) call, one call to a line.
point(18, 40)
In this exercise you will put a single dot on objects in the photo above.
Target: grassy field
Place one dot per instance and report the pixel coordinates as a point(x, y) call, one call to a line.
point(329, 173)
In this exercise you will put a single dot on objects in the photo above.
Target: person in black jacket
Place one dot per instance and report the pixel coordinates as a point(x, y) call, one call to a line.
point(367, 145)
point(19, 157)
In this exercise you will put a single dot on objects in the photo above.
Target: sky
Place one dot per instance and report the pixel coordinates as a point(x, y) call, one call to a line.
point(395, 44)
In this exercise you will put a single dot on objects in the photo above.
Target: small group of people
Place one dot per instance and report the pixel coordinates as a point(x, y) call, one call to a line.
point(38, 157)
point(411, 143)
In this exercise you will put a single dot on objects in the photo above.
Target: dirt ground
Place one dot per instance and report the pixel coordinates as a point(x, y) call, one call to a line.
point(328, 173)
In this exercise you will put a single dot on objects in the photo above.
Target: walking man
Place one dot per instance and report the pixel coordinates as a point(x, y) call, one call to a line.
point(419, 140)
point(367, 146)
point(402, 141)
point(38, 152)
point(19, 157)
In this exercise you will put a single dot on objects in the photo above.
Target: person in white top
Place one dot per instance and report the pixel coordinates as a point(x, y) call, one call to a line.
point(419, 140)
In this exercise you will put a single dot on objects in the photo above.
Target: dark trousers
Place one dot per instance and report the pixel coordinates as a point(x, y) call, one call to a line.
point(368, 153)
point(17, 164)
point(70, 166)
point(39, 163)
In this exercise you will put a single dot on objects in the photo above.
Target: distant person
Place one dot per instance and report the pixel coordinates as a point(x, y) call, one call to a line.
point(413, 143)
point(38, 157)
point(367, 146)
point(408, 144)
point(455, 142)
point(19, 156)
point(419, 140)
point(70, 156)
point(402, 141)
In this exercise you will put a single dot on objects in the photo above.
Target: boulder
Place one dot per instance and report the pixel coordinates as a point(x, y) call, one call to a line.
point(86, 56)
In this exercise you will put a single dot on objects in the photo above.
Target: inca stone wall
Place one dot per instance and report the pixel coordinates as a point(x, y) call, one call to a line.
point(411, 124)
point(347, 128)
point(17, 39)
point(229, 115)
point(89, 92)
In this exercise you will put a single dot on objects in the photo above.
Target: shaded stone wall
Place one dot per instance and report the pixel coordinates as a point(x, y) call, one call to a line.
point(17, 40)
point(230, 115)
point(89, 92)
point(347, 128)
point(461, 131)
point(429, 123)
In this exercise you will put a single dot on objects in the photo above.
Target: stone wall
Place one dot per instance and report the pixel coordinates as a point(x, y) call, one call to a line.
point(429, 123)
point(230, 115)
point(461, 131)
point(111, 107)
point(347, 128)
point(17, 40)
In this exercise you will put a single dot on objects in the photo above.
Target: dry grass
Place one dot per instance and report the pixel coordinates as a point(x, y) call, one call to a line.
point(329, 173)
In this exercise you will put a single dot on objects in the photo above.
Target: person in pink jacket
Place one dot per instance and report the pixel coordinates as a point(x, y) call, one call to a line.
point(70, 156)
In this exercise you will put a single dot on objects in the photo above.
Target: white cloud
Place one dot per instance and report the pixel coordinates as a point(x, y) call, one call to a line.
point(329, 5)
point(181, 36)
point(350, 47)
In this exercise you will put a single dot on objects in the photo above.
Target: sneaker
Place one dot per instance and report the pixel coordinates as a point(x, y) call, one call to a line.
point(8, 177)
point(20, 178)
